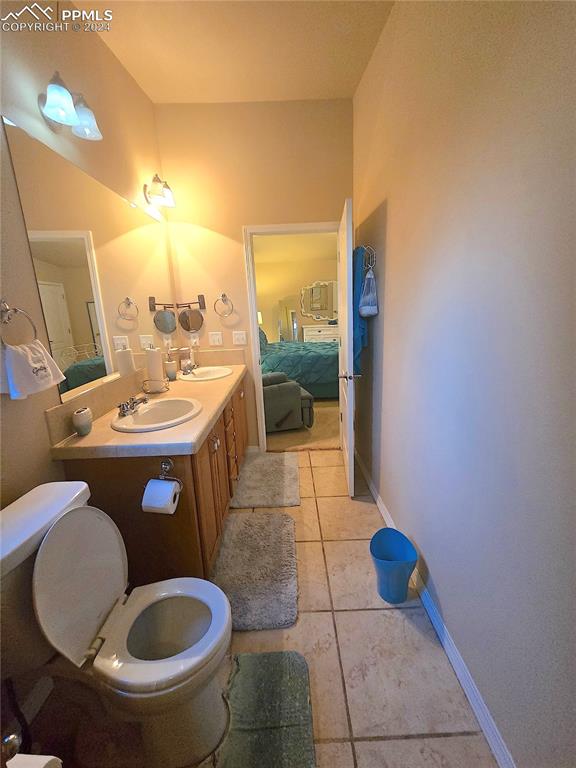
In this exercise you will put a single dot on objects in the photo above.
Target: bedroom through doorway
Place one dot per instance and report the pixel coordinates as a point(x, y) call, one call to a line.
point(296, 299)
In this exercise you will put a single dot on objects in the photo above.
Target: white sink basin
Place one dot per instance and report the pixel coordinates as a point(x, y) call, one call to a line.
point(158, 414)
point(206, 373)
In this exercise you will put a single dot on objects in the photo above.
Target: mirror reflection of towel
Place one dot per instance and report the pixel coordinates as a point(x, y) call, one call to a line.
point(27, 369)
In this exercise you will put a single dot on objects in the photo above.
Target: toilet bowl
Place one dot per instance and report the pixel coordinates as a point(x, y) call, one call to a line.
point(154, 653)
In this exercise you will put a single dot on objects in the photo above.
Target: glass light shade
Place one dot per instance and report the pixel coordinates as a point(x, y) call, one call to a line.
point(159, 193)
point(88, 127)
point(59, 105)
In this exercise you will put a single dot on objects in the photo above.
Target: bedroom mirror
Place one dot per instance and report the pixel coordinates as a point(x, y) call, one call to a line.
point(90, 249)
point(320, 300)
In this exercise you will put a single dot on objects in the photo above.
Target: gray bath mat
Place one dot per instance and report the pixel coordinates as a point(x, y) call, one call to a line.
point(268, 480)
point(256, 568)
point(270, 714)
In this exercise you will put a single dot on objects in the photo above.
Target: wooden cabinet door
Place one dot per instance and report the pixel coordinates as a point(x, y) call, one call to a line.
point(220, 478)
point(207, 503)
point(240, 422)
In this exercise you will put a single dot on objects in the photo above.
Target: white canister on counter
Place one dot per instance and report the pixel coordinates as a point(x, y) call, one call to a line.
point(82, 421)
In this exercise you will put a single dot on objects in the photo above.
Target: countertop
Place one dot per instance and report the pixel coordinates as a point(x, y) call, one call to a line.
point(105, 442)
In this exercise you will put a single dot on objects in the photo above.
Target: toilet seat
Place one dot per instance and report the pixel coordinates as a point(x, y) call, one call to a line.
point(122, 671)
point(79, 584)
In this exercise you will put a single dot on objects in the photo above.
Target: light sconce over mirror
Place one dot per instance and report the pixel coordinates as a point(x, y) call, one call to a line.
point(57, 104)
point(159, 193)
point(59, 107)
point(87, 128)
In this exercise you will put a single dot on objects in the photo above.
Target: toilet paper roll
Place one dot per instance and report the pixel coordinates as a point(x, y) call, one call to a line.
point(161, 496)
point(154, 364)
point(34, 761)
point(125, 360)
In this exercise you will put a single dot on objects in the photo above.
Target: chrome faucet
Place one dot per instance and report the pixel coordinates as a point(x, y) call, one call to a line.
point(131, 405)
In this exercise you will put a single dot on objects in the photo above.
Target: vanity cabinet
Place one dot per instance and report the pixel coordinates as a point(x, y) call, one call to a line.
point(187, 542)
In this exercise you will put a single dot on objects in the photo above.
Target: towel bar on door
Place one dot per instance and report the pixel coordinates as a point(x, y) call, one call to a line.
point(7, 314)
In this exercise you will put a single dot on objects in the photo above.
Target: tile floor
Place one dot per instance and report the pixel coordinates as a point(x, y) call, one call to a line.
point(383, 692)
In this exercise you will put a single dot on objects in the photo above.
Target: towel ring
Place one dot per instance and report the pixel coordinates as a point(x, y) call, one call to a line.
point(7, 314)
point(228, 305)
point(124, 309)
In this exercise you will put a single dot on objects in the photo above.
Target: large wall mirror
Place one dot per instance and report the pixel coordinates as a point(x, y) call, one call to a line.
point(91, 250)
point(320, 300)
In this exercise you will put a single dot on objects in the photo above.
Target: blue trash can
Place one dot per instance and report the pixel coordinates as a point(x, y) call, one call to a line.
point(394, 557)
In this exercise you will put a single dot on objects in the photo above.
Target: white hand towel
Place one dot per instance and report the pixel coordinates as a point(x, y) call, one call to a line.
point(27, 369)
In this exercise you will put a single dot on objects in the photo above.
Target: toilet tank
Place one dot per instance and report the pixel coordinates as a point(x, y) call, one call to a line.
point(23, 525)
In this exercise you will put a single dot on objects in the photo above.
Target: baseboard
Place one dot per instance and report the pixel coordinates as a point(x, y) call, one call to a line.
point(486, 721)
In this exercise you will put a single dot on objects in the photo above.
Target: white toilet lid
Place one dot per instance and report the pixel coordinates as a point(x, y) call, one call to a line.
point(80, 571)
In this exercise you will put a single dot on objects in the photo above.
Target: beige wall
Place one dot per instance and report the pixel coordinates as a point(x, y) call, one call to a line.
point(128, 155)
point(232, 165)
point(464, 151)
point(24, 444)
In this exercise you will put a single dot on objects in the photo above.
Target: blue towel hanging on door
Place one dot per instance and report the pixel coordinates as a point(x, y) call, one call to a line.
point(359, 324)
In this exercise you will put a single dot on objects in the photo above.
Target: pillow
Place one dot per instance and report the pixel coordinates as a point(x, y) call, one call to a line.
point(263, 341)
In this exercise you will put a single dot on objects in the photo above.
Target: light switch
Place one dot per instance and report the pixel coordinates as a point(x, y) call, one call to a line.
point(194, 340)
point(239, 338)
point(215, 338)
point(146, 342)
point(120, 342)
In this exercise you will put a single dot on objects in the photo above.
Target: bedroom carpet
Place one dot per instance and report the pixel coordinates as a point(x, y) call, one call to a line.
point(268, 480)
point(324, 435)
point(270, 714)
point(256, 568)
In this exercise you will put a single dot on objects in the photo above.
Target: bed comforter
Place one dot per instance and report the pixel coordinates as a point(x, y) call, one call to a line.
point(314, 365)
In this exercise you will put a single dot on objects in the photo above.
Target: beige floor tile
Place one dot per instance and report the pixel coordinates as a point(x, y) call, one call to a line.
point(305, 516)
point(448, 752)
point(330, 481)
point(313, 637)
point(303, 459)
point(398, 678)
point(306, 483)
point(353, 579)
point(344, 518)
point(335, 755)
point(313, 594)
point(326, 458)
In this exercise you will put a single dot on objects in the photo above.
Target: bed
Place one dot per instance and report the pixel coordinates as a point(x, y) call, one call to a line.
point(82, 364)
point(314, 365)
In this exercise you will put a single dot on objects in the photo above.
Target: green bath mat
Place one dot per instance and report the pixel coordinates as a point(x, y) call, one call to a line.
point(270, 714)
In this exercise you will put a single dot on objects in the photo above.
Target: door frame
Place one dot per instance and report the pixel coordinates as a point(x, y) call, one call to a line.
point(248, 232)
point(35, 235)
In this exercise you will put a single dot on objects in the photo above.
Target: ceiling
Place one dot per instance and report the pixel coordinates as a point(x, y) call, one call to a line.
point(68, 252)
point(197, 51)
point(283, 249)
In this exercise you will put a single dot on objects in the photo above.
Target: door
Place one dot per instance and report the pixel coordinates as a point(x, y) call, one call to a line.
point(55, 308)
point(346, 350)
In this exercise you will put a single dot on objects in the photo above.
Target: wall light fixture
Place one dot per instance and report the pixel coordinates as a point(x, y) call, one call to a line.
point(57, 104)
point(87, 127)
point(159, 193)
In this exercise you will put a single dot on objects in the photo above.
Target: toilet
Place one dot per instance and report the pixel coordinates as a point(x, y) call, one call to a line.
point(154, 653)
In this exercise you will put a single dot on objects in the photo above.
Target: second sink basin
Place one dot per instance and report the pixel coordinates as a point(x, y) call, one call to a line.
point(158, 414)
point(206, 373)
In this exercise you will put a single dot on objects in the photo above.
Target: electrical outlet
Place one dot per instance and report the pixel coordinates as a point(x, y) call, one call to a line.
point(239, 338)
point(194, 340)
point(215, 338)
point(120, 342)
point(146, 342)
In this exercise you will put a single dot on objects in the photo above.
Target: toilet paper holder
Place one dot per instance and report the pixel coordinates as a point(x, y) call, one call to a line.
point(166, 466)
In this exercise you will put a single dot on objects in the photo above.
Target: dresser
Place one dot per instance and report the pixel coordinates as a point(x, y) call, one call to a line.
point(320, 333)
